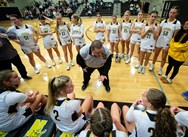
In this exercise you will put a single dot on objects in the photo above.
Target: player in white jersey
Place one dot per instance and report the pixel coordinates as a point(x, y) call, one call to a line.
point(77, 32)
point(149, 35)
point(168, 28)
point(99, 28)
point(28, 43)
point(49, 41)
point(114, 35)
point(135, 40)
point(125, 34)
point(63, 36)
point(157, 120)
point(67, 113)
point(16, 107)
point(104, 123)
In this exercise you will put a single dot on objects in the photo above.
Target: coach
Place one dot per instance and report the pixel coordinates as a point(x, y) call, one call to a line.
point(92, 57)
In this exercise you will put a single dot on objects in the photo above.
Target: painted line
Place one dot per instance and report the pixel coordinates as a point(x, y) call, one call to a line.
point(168, 102)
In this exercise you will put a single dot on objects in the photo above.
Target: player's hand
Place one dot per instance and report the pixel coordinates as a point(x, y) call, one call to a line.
point(137, 102)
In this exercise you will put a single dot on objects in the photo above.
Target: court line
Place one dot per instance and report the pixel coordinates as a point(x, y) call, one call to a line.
point(161, 87)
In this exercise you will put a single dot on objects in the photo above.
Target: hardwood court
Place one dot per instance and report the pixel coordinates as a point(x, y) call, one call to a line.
point(126, 83)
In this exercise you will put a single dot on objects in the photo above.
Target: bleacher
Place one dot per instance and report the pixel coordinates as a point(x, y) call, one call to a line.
point(124, 7)
point(105, 10)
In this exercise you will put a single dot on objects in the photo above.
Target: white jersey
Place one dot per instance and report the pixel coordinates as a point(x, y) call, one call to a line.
point(11, 114)
point(114, 31)
point(99, 25)
point(117, 133)
point(182, 118)
point(46, 29)
point(144, 122)
point(64, 115)
point(77, 33)
point(135, 36)
point(63, 31)
point(148, 42)
point(24, 34)
point(167, 32)
point(125, 29)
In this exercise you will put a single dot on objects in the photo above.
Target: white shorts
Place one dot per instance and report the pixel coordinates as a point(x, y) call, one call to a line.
point(29, 49)
point(135, 42)
point(135, 39)
point(79, 42)
point(65, 41)
point(114, 39)
point(162, 44)
point(102, 39)
point(125, 36)
point(48, 44)
point(146, 50)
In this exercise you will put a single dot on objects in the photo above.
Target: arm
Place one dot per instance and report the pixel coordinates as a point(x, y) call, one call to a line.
point(57, 34)
point(143, 32)
point(48, 19)
point(156, 33)
point(43, 33)
point(133, 30)
point(108, 34)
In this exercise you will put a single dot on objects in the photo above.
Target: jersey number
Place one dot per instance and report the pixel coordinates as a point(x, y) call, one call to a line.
point(165, 33)
point(26, 37)
point(125, 30)
point(114, 31)
point(150, 130)
point(56, 115)
point(63, 33)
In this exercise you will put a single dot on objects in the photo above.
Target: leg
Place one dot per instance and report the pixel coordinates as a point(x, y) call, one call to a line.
point(116, 47)
point(100, 105)
point(176, 68)
point(142, 54)
point(115, 113)
point(148, 54)
point(57, 51)
point(123, 46)
point(31, 59)
point(87, 75)
point(38, 54)
point(70, 50)
point(156, 54)
point(127, 47)
point(78, 48)
point(130, 126)
point(170, 65)
point(132, 49)
point(138, 51)
point(64, 47)
point(20, 66)
point(87, 105)
point(164, 55)
point(112, 47)
point(50, 54)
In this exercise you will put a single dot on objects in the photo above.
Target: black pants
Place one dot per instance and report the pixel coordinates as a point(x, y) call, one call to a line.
point(90, 71)
point(173, 63)
point(16, 61)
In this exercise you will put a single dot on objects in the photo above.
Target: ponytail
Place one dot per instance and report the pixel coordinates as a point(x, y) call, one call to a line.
point(165, 125)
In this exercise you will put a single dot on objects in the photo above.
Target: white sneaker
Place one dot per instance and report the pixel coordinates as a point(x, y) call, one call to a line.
point(36, 71)
point(151, 67)
point(48, 65)
point(143, 70)
point(53, 63)
point(122, 56)
point(169, 80)
point(128, 61)
point(72, 63)
point(140, 69)
point(60, 60)
point(126, 57)
point(160, 71)
point(67, 66)
point(137, 65)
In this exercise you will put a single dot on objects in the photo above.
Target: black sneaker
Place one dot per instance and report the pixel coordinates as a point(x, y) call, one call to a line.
point(107, 87)
point(27, 77)
point(84, 87)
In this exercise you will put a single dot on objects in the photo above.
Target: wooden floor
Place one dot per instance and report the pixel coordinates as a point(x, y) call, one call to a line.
point(126, 84)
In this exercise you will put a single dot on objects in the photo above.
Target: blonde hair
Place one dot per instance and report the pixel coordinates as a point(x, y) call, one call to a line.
point(56, 85)
point(78, 19)
point(128, 11)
